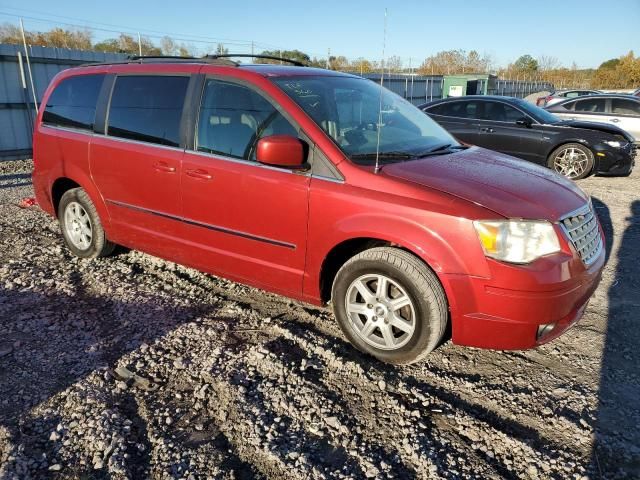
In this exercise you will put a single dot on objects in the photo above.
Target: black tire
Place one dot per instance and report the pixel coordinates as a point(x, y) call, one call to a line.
point(421, 286)
point(588, 170)
point(99, 245)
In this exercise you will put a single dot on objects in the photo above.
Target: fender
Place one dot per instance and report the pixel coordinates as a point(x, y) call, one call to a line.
point(439, 253)
point(80, 175)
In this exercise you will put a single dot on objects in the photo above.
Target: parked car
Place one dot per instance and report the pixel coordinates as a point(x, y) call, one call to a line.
point(323, 187)
point(620, 110)
point(515, 127)
point(560, 95)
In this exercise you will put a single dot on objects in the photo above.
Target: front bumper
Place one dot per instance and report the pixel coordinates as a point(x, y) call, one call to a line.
point(504, 311)
point(615, 161)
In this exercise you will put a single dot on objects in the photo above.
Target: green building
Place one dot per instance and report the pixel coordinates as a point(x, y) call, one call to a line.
point(468, 84)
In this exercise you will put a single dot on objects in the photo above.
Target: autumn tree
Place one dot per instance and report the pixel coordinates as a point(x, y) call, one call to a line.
point(56, 37)
point(128, 44)
point(455, 61)
point(296, 55)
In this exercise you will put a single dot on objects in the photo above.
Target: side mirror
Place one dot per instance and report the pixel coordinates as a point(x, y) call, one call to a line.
point(281, 151)
point(524, 122)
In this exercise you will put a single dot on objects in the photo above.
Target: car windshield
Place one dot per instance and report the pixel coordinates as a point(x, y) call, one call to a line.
point(540, 114)
point(351, 110)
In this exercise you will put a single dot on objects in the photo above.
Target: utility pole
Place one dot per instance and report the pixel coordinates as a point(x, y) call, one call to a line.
point(139, 44)
point(329, 59)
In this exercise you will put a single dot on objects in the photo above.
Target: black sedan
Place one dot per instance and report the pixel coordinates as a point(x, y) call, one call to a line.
point(512, 126)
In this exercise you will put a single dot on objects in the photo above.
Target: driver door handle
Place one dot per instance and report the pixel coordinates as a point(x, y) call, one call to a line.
point(199, 173)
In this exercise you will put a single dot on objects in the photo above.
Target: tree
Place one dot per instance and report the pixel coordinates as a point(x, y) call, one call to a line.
point(547, 63)
point(609, 64)
point(296, 55)
point(127, 44)
point(526, 64)
point(455, 61)
point(221, 50)
point(56, 37)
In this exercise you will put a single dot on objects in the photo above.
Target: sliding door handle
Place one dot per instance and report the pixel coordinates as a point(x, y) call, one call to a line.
point(164, 167)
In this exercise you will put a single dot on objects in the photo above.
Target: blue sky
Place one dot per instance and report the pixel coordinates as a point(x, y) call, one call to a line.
point(585, 31)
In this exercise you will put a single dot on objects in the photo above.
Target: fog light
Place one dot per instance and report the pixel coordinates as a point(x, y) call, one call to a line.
point(544, 330)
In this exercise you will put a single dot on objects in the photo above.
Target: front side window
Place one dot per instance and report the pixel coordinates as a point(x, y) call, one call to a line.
point(459, 109)
point(73, 102)
point(363, 118)
point(147, 108)
point(234, 117)
point(594, 105)
point(621, 106)
point(501, 112)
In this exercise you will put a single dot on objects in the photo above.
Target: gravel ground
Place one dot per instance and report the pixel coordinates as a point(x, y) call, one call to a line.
point(134, 367)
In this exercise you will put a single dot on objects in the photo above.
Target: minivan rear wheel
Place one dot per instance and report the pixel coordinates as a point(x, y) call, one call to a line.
point(390, 305)
point(81, 227)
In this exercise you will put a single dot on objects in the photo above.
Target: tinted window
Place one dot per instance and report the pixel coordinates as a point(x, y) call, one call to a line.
point(621, 106)
point(590, 105)
point(73, 102)
point(572, 94)
point(501, 112)
point(234, 117)
point(459, 109)
point(148, 108)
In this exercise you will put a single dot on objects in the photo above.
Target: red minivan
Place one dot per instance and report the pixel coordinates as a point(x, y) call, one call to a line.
point(319, 186)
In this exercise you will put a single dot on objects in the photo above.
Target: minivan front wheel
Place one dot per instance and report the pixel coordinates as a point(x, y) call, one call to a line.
point(389, 304)
point(81, 227)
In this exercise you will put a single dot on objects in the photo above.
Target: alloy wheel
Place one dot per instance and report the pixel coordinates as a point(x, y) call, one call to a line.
point(571, 162)
point(380, 311)
point(78, 225)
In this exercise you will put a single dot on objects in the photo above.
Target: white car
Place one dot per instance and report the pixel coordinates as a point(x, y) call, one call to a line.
point(620, 110)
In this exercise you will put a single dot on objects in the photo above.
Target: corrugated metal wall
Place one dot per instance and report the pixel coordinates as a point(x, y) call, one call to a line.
point(17, 110)
point(16, 103)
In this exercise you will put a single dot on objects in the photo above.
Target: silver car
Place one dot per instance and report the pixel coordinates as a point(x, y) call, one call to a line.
point(560, 95)
point(620, 110)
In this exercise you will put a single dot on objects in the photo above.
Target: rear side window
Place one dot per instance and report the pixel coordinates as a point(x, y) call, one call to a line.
point(621, 106)
point(457, 109)
point(501, 112)
point(590, 105)
point(73, 102)
point(147, 108)
point(234, 117)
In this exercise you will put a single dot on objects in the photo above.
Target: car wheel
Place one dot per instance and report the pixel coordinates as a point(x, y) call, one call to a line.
point(81, 226)
point(389, 304)
point(572, 160)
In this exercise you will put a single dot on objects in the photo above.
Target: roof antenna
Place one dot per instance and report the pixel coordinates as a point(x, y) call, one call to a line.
point(384, 43)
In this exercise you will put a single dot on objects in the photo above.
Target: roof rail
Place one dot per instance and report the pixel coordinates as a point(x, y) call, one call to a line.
point(165, 59)
point(222, 59)
point(248, 55)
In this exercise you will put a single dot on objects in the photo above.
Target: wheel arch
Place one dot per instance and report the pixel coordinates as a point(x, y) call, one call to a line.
point(64, 183)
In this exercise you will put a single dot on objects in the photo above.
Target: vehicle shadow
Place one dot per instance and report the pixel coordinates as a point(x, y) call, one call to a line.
point(616, 448)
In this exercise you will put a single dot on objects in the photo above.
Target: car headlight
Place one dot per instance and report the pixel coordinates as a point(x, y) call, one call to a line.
point(516, 241)
point(615, 143)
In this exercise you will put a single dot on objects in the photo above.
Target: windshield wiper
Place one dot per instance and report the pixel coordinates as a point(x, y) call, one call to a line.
point(382, 155)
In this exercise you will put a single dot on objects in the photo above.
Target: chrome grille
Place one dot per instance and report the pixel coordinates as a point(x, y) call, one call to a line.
point(582, 229)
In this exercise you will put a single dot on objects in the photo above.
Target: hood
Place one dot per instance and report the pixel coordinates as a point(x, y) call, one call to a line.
point(509, 187)
point(597, 126)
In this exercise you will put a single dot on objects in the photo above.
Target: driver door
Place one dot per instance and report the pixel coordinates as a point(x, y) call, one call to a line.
point(244, 220)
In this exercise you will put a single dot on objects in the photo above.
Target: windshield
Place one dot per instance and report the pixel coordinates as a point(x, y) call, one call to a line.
point(540, 114)
point(348, 110)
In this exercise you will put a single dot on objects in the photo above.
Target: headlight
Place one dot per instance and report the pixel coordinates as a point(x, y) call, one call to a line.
point(615, 143)
point(516, 241)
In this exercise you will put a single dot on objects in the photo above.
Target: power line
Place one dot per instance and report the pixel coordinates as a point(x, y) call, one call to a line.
point(123, 29)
